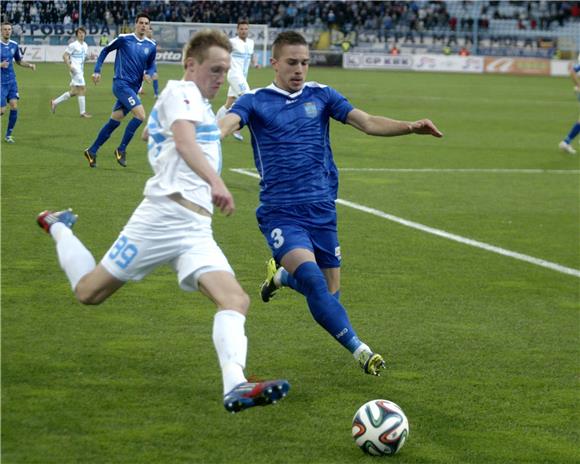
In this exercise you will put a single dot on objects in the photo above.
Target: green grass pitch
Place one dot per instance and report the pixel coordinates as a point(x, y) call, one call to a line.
point(482, 349)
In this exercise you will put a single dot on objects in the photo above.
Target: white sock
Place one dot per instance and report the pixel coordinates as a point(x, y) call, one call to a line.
point(74, 258)
point(82, 104)
point(64, 97)
point(231, 345)
point(360, 349)
point(221, 113)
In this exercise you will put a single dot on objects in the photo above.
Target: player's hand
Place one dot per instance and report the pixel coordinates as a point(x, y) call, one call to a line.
point(4, 64)
point(425, 127)
point(96, 78)
point(222, 198)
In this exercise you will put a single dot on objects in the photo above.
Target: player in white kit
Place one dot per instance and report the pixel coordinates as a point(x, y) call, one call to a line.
point(74, 57)
point(242, 57)
point(172, 225)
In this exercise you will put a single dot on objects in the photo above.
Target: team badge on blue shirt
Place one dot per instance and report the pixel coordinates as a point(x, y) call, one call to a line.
point(311, 110)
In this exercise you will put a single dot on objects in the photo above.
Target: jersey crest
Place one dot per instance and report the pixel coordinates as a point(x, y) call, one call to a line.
point(310, 109)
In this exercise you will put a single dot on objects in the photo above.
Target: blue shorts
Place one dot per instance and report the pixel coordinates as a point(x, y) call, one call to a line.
point(127, 97)
point(8, 92)
point(311, 226)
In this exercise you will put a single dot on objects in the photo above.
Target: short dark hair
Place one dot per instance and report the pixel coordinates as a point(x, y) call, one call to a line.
point(287, 38)
point(142, 15)
point(243, 21)
point(199, 44)
point(80, 28)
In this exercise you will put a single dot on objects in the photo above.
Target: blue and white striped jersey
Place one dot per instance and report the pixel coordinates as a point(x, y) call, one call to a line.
point(181, 100)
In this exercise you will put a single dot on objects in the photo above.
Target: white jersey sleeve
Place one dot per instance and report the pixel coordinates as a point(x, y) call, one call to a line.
point(181, 100)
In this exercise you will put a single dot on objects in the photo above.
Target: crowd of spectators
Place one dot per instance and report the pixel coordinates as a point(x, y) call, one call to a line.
point(346, 16)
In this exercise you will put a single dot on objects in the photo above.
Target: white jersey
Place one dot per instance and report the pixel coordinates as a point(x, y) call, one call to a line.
point(241, 57)
point(181, 100)
point(78, 54)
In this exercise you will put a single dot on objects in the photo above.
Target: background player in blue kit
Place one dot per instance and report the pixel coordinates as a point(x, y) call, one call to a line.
point(10, 53)
point(289, 123)
point(135, 57)
point(566, 144)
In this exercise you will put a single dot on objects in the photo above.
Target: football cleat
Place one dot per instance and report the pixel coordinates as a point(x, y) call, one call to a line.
point(52, 107)
point(92, 159)
point(248, 394)
point(9, 139)
point(47, 218)
point(86, 115)
point(121, 157)
point(567, 148)
point(371, 363)
point(238, 136)
point(268, 289)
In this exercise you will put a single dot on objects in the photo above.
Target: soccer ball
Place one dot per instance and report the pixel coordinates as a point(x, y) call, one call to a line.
point(380, 428)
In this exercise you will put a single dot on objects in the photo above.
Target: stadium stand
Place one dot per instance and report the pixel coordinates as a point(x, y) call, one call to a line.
point(363, 22)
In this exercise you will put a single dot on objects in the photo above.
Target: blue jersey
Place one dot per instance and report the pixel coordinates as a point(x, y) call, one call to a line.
point(134, 57)
point(291, 141)
point(9, 52)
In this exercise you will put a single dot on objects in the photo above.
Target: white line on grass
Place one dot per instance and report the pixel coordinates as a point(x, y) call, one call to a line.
point(483, 170)
point(447, 235)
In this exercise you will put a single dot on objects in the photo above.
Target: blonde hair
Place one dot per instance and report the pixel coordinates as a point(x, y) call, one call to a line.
point(198, 46)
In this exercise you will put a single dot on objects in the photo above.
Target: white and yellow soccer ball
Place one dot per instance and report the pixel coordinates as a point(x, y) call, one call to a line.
point(380, 428)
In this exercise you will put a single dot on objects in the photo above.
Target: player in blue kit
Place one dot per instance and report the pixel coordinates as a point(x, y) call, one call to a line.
point(566, 144)
point(135, 59)
point(289, 123)
point(10, 53)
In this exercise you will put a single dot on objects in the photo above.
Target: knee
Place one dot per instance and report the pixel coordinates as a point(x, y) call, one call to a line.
point(87, 296)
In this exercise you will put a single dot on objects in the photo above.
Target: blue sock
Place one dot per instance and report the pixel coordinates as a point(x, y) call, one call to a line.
point(156, 87)
point(12, 117)
point(287, 280)
point(104, 135)
point(573, 133)
point(129, 133)
point(325, 308)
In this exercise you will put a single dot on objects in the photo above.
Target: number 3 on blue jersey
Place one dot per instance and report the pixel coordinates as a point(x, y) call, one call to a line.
point(276, 235)
point(124, 251)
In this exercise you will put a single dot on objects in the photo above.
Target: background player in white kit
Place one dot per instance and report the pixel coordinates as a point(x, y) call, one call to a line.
point(172, 225)
point(74, 57)
point(242, 56)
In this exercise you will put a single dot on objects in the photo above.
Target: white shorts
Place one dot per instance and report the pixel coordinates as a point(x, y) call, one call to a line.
point(77, 78)
point(238, 86)
point(162, 231)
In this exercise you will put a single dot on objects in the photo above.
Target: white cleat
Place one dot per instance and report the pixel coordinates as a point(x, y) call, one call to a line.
point(238, 136)
point(52, 107)
point(567, 148)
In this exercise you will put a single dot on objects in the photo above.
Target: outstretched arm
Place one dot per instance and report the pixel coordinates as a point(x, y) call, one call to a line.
point(381, 126)
point(229, 124)
point(26, 64)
